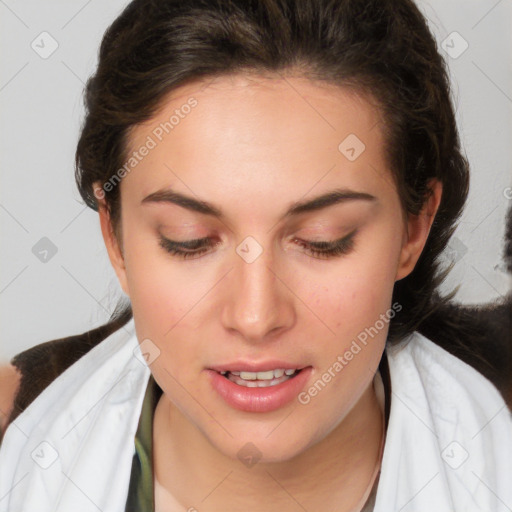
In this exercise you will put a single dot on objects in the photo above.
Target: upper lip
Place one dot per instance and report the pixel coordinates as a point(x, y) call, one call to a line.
point(252, 366)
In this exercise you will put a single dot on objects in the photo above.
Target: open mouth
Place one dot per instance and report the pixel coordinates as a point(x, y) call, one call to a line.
point(261, 379)
point(261, 391)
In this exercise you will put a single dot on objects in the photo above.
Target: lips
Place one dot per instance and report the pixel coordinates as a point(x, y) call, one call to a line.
point(253, 394)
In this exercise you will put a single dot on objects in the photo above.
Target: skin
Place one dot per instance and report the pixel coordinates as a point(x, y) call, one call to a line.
point(10, 380)
point(253, 146)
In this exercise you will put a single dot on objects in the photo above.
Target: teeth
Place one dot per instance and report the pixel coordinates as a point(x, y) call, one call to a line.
point(261, 378)
point(257, 383)
point(249, 375)
point(268, 375)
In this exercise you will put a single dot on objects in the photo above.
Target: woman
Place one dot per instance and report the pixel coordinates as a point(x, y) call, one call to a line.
point(275, 182)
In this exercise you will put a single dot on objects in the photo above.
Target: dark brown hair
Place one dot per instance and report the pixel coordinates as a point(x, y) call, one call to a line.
point(379, 47)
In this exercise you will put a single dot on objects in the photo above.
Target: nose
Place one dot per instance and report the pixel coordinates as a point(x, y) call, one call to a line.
point(258, 303)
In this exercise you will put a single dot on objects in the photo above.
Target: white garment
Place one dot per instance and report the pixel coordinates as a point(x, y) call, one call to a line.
point(448, 445)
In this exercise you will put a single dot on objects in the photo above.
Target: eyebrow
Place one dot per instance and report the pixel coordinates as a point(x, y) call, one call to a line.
point(309, 205)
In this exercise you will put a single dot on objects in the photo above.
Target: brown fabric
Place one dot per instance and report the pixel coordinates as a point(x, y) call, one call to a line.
point(41, 364)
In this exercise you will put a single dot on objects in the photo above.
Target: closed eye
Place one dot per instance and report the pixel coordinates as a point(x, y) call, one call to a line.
point(329, 249)
point(190, 249)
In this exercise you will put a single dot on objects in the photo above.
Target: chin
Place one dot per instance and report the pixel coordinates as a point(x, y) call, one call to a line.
point(258, 442)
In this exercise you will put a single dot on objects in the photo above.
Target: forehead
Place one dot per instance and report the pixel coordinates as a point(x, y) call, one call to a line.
point(253, 131)
point(247, 103)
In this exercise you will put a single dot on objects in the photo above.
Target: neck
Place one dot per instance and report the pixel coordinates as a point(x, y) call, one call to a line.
point(335, 473)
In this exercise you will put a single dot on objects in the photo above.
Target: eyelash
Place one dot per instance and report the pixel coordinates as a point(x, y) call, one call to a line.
point(321, 250)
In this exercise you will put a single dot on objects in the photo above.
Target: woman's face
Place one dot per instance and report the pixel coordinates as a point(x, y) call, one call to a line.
point(261, 170)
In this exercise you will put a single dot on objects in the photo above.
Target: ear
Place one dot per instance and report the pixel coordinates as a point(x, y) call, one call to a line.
point(112, 244)
point(418, 228)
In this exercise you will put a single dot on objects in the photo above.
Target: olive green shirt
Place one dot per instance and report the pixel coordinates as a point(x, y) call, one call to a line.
point(140, 492)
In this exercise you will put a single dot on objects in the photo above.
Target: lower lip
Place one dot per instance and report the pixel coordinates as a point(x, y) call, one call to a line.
point(259, 399)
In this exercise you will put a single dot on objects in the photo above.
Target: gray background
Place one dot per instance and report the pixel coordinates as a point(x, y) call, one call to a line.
point(71, 287)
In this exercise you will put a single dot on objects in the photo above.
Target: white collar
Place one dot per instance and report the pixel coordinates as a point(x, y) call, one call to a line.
point(449, 440)
point(448, 445)
point(72, 448)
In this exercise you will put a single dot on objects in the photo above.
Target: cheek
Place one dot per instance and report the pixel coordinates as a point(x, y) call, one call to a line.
point(163, 301)
point(354, 300)
point(353, 293)
point(165, 304)
point(160, 294)
point(356, 305)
